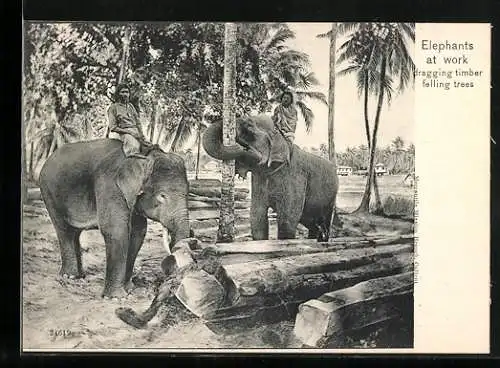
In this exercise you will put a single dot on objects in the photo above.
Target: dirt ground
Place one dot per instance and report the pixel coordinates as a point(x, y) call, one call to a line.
point(72, 315)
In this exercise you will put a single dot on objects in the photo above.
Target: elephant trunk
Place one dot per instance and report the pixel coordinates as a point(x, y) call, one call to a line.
point(213, 145)
point(176, 227)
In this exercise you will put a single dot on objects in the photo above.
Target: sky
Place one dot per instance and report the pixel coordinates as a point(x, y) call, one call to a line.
point(396, 119)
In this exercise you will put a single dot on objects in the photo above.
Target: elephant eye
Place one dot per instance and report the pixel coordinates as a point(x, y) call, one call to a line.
point(161, 197)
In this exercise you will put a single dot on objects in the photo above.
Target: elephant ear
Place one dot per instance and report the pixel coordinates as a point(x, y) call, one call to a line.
point(132, 175)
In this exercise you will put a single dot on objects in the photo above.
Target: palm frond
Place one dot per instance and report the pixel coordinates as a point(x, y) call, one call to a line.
point(360, 82)
point(345, 27)
point(347, 51)
point(283, 34)
point(306, 80)
point(349, 70)
point(294, 57)
point(317, 96)
point(307, 114)
point(387, 86)
point(408, 29)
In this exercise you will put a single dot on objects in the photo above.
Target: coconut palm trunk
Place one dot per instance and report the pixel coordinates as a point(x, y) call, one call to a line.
point(226, 220)
point(365, 201)
point(125, 53)
point(197, 169)
point(153, 123)
point(331, 113)
point(331, 94)
point(378, 203)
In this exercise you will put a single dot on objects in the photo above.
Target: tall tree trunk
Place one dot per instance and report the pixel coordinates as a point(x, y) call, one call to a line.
point(378, 203)
point(198, 151)
point(365, 201)
point(125, 53)
point(331, 93)
point(379, 209)
point(153, 124)
point(367, 124)
point(226, 221)
point(331, 114)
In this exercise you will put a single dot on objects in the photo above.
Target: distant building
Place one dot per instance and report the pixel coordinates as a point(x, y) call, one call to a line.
point(344, 170)
point(380, 169)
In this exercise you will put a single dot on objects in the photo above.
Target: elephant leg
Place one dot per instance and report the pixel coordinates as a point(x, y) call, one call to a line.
point(69, 241)
point(313, 232)
point(139, 227)
point(114, 226)
point(259, 206)
point(71, 256)
point(289, 211)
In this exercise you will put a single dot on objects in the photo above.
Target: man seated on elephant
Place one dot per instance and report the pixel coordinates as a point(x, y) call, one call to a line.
point(124, 122)
point(285, 118)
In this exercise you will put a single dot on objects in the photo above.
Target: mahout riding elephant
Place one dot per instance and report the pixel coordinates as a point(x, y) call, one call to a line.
point(299, 186)
point(93, 185)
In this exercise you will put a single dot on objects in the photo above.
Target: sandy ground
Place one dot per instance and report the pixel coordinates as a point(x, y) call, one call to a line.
point(72, 315)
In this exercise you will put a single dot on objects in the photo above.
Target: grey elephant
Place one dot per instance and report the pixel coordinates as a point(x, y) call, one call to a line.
point(93, 185)
point(299, 186)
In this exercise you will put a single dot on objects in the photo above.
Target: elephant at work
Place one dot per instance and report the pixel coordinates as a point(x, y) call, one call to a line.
point(93, 185)
point(299, 186)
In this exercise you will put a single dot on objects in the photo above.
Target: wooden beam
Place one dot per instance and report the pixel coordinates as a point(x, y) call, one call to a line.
point(331, 315)
point(248, 251)
point(249, 312)
point(294, 278)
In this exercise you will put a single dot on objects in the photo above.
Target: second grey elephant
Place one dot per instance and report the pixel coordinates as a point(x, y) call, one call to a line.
point(299, 186)
point(92, 185)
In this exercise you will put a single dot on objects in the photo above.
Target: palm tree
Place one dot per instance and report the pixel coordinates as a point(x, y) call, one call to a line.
point(272, 67)
point(380, 52)
point(332, 35)
point(226, 222)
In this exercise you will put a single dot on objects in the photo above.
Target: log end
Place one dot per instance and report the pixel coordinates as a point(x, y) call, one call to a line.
point(201, 293)
point(181, 256)
point(311, 322)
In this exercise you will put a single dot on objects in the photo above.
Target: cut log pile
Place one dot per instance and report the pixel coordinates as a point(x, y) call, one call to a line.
point(203, 200)
point(324, 322)
point(252, 283)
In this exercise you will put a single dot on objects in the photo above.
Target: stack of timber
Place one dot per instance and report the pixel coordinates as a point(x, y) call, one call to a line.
point(203, 200)
point(325, 322)
point(262, 282)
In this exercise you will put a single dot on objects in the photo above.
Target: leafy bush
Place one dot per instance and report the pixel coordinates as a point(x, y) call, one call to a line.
point(400, 206)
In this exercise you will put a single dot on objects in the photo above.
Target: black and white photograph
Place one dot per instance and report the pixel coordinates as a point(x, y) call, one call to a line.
point(209, 185)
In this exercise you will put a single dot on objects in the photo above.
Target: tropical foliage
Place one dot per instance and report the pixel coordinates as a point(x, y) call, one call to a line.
point(175, 71)
point(398, 158)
